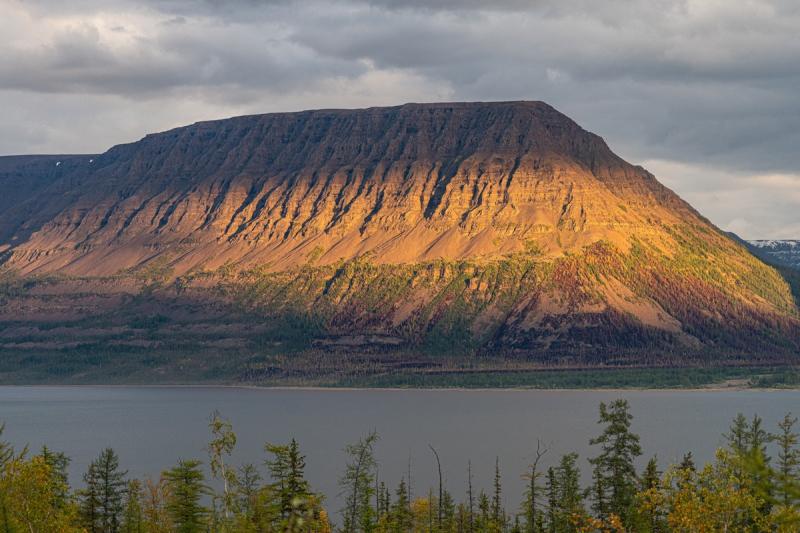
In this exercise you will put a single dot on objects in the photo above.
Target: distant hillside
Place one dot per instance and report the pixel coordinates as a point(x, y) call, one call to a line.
point(786, 252)
point(462, 230)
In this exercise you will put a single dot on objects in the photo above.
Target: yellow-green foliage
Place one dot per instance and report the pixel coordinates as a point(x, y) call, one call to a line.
point(711, 285)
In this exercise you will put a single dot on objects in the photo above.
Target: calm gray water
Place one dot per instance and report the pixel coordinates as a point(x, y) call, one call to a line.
point(151, 427)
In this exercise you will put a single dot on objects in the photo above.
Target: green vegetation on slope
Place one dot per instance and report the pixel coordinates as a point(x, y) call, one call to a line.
point(699, 306)
point(657, 378)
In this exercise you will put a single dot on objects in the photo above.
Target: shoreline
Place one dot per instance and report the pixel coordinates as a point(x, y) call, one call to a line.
point(317, 388)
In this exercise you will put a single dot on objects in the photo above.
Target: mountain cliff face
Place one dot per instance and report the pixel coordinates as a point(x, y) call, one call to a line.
point(405, 184)
point(472, 226)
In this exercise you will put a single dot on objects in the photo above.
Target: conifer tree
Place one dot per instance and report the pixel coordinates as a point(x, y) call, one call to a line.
point(185, 490)
point(552, 500)
point(132, 514)
point(6, 451)
point(381, 508)
point(483, 521)
point(649, 519)
point(102, 497)
point(401, 519)
point(498, 513)
point(598, 491)
point(112, 490)
point(737, 436)
point(448, 507)
point(90, 499)
point(287, 470)
point(687, 463)
point(470, 500)
point(570, 496)
point(651, 476)
point(614, 466)
point(757, 438)
point(58, 463)
point(788, 467)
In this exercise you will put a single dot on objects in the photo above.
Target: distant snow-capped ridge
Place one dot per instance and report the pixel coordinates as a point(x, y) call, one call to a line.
point(782, 252)
point(776, 244)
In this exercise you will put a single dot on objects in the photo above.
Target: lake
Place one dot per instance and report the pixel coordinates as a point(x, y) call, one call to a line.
point(151, 427)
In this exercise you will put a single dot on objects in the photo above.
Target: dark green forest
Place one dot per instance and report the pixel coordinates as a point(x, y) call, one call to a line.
point(752, 485)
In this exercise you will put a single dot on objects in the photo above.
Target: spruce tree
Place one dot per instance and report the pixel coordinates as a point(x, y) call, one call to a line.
point(448, 507)
point(381, 500)
point(401, 520)
point(570, 496)
point(552, 500)
point(112, 490)
point(614, 466)
point(90, 500)
point(651, 476)
point(737, 436)
point(287, 469)
point(757, 463)
point(788, 467)
point(101, 499)
point(651, 518)
point(186, 489)
point(598, 491)
point(470, 500)
point(58, 463)
point(483, 522)
point(687, 462)
point(498, 513)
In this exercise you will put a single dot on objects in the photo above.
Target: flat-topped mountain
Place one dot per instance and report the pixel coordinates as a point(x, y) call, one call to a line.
point(500, 228)
point(403, 184)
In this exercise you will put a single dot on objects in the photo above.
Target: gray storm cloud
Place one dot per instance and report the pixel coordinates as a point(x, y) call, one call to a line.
point(704, 93)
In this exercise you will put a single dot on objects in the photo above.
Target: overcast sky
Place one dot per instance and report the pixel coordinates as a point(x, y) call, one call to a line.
point(703, 93)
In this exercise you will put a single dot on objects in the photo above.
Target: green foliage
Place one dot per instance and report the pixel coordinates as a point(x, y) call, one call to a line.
point(357, 484)
point(58, 463)
point(334, 324)
point(743, 489)
point(611, 378)
point(133, 520)
point(292, 492)
point(101, 501)
point(153, 275)
point(615, 473)
point(186, 488)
